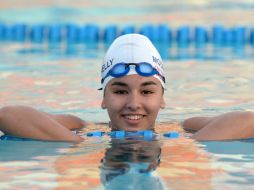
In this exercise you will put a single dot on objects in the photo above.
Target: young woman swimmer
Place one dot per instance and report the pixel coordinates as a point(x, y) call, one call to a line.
point(133, 82)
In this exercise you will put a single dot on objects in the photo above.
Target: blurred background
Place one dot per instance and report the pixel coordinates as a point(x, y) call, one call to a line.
point(190, 12)
point(207, 73)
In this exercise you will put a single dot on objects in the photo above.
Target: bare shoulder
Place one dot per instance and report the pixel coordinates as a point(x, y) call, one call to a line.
point(228, 126)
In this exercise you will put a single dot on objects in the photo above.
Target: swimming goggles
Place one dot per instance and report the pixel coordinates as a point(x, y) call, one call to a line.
point(122, 69)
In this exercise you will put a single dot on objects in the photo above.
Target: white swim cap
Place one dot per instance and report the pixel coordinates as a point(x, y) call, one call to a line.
point(132, 48)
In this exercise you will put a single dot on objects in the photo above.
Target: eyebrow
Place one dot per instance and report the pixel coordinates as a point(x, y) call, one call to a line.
point(148, 83)
point(119, 84)
point(124, 84)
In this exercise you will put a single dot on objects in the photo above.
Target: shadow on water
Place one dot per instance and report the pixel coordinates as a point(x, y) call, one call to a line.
point(232, 151)
point(131, 163)
point(28, 150)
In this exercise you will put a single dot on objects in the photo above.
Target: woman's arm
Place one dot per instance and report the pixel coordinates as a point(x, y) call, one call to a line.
point(68, 121)
point(196, 123)
point(229, 126)
point(22, 121)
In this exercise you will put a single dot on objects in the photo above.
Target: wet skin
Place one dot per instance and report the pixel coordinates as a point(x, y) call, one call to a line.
point(133, 102)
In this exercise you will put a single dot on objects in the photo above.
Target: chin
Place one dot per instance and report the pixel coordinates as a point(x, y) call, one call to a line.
point(130, 127)
point(134, 128)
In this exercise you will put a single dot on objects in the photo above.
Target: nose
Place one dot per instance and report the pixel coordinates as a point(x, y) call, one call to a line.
point(134, 101)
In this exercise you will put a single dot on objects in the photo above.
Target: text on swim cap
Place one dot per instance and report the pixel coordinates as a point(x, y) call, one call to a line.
point(157, 60)
point(106, 65)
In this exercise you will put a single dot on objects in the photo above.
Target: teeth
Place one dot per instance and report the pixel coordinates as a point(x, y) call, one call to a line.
point(133, 117)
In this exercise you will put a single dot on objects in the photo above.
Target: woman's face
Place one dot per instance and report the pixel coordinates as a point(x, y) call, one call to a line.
point(133, 102)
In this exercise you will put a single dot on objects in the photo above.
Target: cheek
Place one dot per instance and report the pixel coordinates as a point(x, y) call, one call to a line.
point(154, 105)
point(113, 104)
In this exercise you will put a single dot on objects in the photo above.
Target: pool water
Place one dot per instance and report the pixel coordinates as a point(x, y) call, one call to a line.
point(64, 78)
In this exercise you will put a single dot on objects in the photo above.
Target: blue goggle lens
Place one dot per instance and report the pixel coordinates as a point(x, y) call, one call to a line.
point(121, 69)
point(145, 69)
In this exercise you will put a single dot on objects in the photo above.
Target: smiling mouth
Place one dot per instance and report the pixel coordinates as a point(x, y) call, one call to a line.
point(133, 117)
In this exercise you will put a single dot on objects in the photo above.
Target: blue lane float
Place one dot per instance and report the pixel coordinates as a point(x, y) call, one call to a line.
point(2, 31)
point(72, 33)
point(150, 31)
point(110, 33)
point(183, 35)
point(37, 33)
point(217, 36)
point(55, 33)
point(165, 33)
point(161, 33)
point(228, 36)
point(129, 29)
point(89, 33)
point(18, 32)
point(252, 36)
point(239, 34)
point(142, 134)
point(200, 35)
